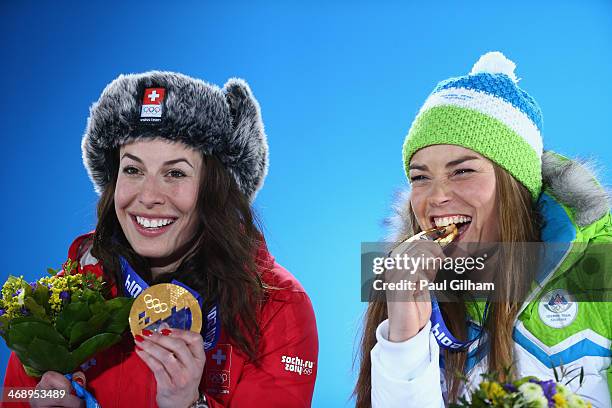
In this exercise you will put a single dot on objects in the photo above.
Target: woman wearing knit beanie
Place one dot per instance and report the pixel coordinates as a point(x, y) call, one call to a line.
point(474, 158)
point(177, 163)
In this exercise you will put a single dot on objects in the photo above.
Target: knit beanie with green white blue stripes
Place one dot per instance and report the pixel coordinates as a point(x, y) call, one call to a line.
point(487, 112)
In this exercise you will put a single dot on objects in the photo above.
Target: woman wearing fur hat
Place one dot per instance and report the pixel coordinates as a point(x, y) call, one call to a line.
point(177, 163)
point(474, 158)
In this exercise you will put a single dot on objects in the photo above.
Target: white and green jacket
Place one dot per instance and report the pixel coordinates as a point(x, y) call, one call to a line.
point(572, 334)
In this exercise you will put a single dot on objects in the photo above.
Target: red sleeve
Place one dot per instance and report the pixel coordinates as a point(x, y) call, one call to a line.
point(287, 369)
point(16, 376)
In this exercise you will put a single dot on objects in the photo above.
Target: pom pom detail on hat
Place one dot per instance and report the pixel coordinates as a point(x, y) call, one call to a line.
point(486, 112)
point(495, 62)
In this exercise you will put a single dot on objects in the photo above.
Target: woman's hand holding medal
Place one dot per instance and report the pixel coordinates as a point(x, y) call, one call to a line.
point(165, 320)
point(410, 310)
point(177, 359)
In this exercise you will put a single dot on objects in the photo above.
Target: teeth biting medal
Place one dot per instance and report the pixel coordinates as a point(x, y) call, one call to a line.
point(442, 235)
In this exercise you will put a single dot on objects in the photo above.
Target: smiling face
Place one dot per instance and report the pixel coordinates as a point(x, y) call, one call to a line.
point(452, 184)
point(155, 199)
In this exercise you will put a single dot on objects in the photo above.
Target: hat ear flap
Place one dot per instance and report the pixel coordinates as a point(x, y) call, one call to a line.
point(244, 109)
point(248, 136)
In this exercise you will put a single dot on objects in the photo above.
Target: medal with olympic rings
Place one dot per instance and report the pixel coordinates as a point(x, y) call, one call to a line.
point(165, 303)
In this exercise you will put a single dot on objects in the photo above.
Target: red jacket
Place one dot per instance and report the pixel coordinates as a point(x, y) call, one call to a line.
point(285, 377)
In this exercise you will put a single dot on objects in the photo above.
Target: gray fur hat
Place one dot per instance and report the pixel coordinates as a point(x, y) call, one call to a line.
point(224, 122)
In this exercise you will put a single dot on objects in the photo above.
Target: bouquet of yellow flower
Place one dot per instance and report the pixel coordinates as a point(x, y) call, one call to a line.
point(527, 392)
point(58, 322)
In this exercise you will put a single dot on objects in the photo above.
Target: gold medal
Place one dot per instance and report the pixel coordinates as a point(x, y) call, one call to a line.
point(165, 303)
point(441, 235)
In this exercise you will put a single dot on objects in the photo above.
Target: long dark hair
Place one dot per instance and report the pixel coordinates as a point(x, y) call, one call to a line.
point(519, 221)
point(221, 263)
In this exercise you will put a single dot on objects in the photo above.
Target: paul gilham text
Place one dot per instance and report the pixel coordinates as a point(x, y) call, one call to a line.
point(455, 284)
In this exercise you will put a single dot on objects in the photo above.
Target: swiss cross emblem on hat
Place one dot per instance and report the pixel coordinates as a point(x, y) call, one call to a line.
point(152, 105)
point(153, 96)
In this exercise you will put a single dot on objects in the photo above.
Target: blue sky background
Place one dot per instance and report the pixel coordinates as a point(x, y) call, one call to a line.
point(339, 84)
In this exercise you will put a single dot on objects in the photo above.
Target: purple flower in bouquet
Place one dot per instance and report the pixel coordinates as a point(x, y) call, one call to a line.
point(550, 389)
point(509, 387)
point(524, 392)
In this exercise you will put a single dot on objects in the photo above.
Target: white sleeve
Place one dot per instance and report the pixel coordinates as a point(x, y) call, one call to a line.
point(406, 374)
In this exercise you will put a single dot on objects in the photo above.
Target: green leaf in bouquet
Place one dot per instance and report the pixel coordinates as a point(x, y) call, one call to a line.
point(98, 320)
point(17, 341)
point(94, 345)
point(23, 336)
point(32, 372)
point(4, 321)
point(36, 309)
point(25, 329)
point(97, 308)
point(120, 312)
point(44, 356)
point(28, 290)
point(522, 381)
point(24, 319)
point(41, 296)
point(81, 331)
point(94, 282)
point(71, 314)
point(91, 296)
point(119, 303)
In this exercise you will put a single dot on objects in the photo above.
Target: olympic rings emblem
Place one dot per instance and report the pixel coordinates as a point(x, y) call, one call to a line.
point(218, 378)
point(151, 109)
point(155, 304)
